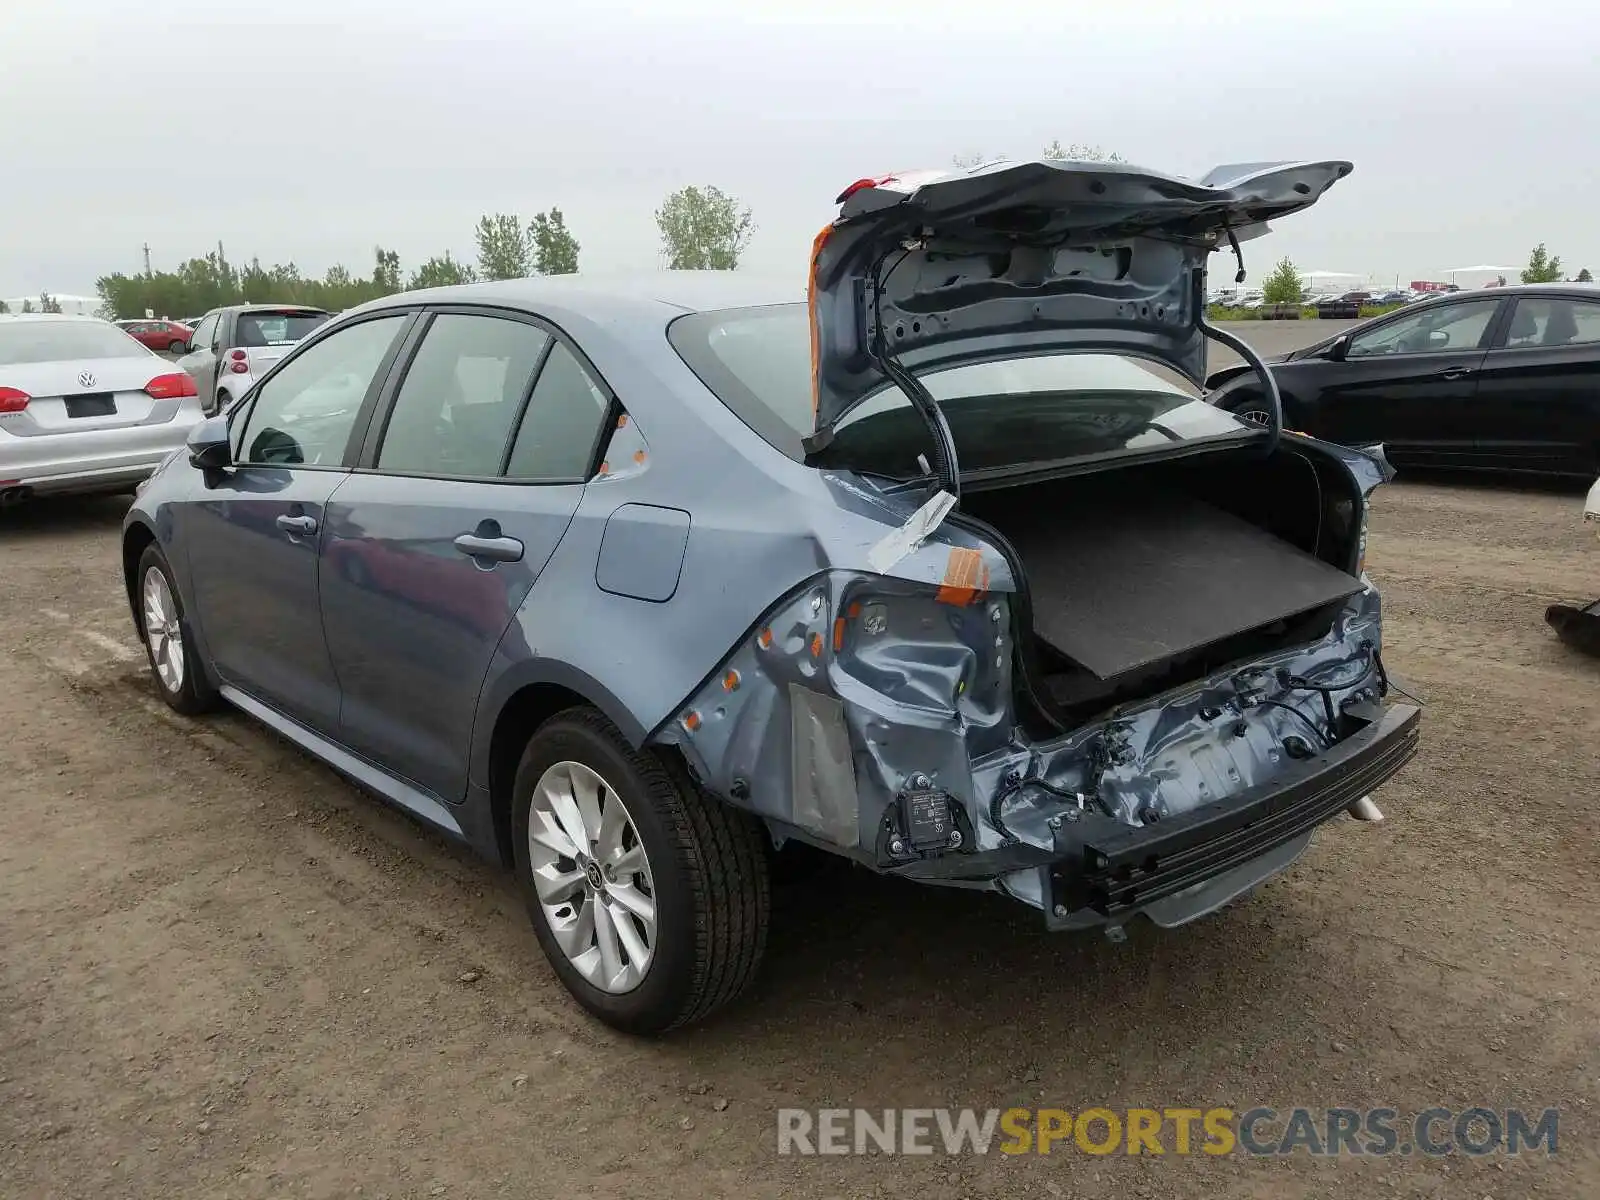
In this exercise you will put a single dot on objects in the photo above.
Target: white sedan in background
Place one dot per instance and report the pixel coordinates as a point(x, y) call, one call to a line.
point(84, 407)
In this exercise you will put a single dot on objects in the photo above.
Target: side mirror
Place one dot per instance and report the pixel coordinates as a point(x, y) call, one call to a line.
point(1338, 349)
point(1438, 339)
point(208, 444)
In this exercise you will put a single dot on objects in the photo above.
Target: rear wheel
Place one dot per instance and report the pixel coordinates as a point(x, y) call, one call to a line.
point(167, 641)
point(223, 400)
point(649, 897)
point(176, 348)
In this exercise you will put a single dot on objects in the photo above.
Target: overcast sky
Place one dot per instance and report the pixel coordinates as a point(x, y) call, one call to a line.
point(308, 130)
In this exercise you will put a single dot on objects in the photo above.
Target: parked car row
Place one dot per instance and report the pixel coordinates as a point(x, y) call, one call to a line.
point(1507, 379)
point(1003, 598)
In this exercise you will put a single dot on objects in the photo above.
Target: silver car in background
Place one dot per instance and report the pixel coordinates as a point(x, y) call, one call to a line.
point(84, 407)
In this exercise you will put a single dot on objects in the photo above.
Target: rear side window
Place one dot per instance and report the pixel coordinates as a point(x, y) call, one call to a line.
point(275, 328)
point(1554, 321)
point(561, 428)
point(461, 397)
point(304, 413)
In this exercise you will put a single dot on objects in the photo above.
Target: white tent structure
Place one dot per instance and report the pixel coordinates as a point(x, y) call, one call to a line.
point(82, 306)
point(1481, 269)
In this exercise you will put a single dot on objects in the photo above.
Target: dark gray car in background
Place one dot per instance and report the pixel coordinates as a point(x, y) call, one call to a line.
point(628, 583)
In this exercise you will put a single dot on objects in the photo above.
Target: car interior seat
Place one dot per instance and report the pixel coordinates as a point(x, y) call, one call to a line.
point(1524, 328)
point(1561, 326)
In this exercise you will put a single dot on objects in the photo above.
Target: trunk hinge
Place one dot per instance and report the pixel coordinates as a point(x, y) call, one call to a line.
point(1239, 346)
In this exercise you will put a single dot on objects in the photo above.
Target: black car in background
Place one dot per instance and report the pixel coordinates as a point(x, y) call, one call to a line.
point(1503, 379)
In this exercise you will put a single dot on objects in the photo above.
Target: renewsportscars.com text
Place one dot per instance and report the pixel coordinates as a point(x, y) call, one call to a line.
point(1177, 1131)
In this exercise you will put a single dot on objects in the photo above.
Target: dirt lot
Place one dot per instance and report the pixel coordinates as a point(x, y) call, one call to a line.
point(224, 972)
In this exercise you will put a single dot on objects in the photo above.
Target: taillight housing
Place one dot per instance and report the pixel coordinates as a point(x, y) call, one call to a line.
point(171, 386)
point(12, 400)
point(239, 362)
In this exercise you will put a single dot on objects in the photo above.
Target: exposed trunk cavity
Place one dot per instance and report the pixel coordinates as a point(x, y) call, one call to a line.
point(1147, 578)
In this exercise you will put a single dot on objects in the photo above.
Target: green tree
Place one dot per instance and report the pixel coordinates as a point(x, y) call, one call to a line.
point(4, 307)
point(386, 270)
point(1283, 285)
point(1584, 276)
point(442, 272)
point(48, 303)
point(1080, 152)
point(703, 229)
point(27, 305)
point(555, 250)
point(973, 158)
point(1542, 268)
point(503, 248)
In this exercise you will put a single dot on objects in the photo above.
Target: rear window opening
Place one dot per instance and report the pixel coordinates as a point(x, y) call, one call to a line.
point(25, 341)
point(268, 328)
point(1031, 410)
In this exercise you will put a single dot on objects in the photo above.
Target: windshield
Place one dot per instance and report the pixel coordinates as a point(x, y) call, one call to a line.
point(276, 328)
point(64, 341)
point(1012, 412)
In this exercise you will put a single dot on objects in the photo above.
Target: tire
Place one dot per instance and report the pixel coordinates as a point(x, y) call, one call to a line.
point(223, 400)
point(705, 873)
point(174, 662)
point(176, 348)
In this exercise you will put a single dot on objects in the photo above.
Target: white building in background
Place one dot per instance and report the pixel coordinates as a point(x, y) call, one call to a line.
point(83, 306)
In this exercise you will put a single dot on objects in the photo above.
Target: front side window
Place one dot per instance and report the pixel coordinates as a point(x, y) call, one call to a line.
point(303, 414)
point(205, 333)
point(1553, 321)
point(1436, 328)
point(459, 403)
point(565, 414)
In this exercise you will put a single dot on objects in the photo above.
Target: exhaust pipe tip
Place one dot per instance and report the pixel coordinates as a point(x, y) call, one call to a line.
point(1365, 810)
point(12, 496)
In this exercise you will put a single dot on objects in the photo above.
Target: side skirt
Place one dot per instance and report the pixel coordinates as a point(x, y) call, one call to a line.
point(373, 778)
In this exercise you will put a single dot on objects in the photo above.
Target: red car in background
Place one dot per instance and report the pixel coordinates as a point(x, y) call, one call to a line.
point(171, 336)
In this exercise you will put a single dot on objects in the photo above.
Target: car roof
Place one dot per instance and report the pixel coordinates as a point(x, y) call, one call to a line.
point(1582, 291)
point(599, 297)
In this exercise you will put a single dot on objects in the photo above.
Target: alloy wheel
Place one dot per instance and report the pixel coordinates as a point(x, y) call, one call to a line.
point(162, 631)
point(592, 876)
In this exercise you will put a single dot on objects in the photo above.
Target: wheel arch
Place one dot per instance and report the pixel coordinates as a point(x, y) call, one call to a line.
point(136, 538)
point(516, 704)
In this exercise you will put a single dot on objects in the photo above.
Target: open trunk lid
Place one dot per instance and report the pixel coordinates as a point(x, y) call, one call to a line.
point(930, 269)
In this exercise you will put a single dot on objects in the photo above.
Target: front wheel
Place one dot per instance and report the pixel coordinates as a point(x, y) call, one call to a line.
point(167, 641)
point(649, 897)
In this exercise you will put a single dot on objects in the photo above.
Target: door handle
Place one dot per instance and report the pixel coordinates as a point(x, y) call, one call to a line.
point(301, 524)
point(1455, 373)
point(496, 549)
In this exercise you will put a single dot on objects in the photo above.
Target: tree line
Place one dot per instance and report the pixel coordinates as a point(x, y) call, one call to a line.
point(702, 228)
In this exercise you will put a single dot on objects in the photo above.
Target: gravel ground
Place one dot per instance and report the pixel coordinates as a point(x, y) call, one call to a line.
point(224, 972)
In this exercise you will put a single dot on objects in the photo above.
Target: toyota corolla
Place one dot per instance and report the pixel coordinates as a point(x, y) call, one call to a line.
point(939, 564)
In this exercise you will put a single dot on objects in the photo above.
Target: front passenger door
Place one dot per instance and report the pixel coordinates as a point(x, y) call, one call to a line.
point(434, 543)
point(1409, 383)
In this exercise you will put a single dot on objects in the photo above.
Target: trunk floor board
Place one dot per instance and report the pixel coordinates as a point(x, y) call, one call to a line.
point(1151, 575)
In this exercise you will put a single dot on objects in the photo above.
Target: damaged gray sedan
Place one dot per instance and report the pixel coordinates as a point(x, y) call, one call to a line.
point(627, 584)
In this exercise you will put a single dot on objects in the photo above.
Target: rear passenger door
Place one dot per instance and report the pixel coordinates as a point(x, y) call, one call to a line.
point(465, 486)
point(1540, 388)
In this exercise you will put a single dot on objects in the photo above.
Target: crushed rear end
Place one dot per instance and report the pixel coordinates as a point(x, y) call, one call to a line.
point(1130, 679)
